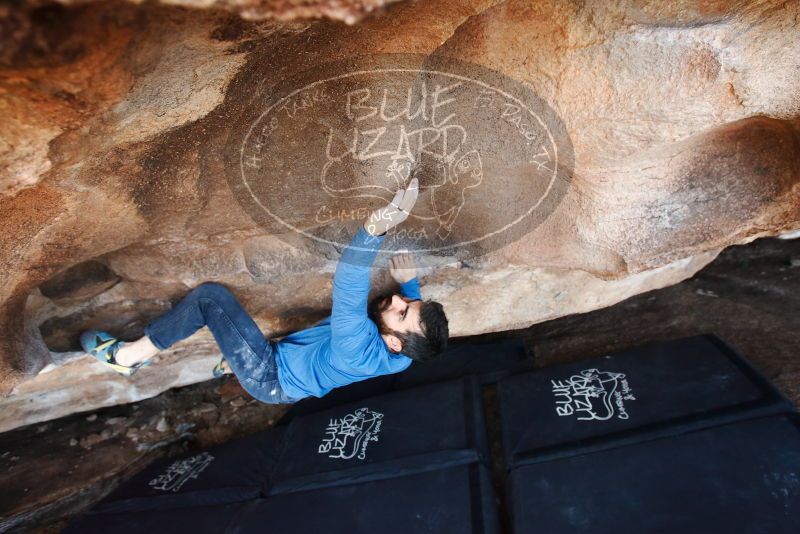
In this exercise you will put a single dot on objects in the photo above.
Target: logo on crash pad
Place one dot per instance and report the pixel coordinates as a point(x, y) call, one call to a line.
point(348, 437)
point(593, 395)
point(326, 147)
point(181, 472)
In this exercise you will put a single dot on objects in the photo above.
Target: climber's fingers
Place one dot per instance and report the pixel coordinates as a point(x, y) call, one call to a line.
point(410, 196)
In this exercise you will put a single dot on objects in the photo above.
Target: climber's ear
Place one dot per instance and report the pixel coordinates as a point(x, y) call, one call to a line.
point(393, 342)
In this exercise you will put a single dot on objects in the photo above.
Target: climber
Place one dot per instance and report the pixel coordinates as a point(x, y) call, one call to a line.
point(358, 340)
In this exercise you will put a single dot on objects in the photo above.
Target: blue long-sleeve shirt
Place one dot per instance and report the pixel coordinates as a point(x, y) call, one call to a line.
point(347, 346)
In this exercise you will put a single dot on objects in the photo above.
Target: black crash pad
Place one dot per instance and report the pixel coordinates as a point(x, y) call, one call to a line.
point(654, 390)
point(211, 519)
point(398, 435)
point(235, 471)
point(455, 499)
point(388, 435)
point(741, 478)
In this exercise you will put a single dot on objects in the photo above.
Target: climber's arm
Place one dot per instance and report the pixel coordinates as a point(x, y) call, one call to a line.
point(351, 328)
point(411, 289)
point(404, 272)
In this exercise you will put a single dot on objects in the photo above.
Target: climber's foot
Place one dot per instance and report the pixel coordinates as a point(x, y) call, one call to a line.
point(103, 346)
point(222, 368)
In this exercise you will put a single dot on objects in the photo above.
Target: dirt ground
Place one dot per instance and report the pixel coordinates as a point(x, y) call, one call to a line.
point(749, 296)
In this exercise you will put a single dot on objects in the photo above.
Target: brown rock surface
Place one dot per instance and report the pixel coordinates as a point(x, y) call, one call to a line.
point(115, 149)
point(749, 296)
point(348, 11)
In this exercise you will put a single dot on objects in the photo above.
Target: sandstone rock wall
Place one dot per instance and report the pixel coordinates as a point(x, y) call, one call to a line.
point(683, 117)
point(348, 11)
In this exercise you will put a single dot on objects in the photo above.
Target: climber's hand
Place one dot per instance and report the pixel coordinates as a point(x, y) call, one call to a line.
point(402, 268)
point(384, 219)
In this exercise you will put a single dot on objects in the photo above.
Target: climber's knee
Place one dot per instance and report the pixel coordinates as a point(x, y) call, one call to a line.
point(213, 290)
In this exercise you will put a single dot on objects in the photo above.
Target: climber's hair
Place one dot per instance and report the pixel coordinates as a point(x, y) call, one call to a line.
point(433, 339)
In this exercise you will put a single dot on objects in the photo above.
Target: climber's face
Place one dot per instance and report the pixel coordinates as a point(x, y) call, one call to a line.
point(395, 314)
point(401, 314)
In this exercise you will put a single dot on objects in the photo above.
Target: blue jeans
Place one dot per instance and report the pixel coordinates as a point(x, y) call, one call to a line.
point(250, 355)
